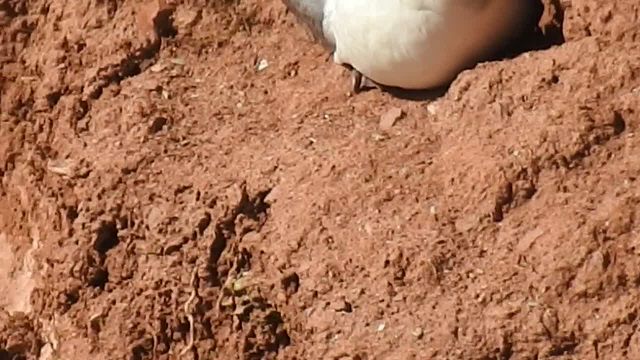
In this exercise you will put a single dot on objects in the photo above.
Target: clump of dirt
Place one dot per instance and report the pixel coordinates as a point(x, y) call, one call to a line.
point(19, 337)
point(188, 179)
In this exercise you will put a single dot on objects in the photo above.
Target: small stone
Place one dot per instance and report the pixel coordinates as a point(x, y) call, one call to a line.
point(60, 167)
point(157, 67)
point(177, 61)
point(263, 64)
point(342, 306)
point(417, 333)
point(388, 119)
point(380, 327)
point(273, 195)
point(432, 108)
point(46, 352)
point(243, 282)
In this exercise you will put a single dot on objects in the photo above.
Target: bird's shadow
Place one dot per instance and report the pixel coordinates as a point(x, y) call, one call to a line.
point(416, 95)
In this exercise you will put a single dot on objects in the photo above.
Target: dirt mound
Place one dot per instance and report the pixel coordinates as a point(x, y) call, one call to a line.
point(192, 180)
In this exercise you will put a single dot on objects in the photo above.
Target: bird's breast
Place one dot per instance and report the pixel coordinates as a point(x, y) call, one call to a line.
point(413, 44)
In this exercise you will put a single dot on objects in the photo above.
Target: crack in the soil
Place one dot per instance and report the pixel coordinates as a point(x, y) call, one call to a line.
point(127, 67)
point(253, 208)
point(132, 64)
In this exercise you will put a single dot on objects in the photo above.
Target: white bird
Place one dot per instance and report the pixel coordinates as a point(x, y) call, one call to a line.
point(411, 44)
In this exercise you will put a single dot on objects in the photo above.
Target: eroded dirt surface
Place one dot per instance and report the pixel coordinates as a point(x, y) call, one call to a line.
point(209, 190)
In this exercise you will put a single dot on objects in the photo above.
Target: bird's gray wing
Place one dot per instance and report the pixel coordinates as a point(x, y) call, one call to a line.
point(311, 14)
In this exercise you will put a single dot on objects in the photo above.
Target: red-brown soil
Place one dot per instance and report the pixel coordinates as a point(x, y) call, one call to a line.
point(165, 195)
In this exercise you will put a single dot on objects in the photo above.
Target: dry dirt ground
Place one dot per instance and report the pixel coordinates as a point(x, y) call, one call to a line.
point(195, 181)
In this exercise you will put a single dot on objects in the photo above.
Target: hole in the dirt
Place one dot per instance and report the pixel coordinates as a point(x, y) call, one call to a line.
point(506, 350)
point(129, 69)
point(96, 93)
point(53, 98)
point(274, 320)
point(107, 237)
point(13, 8)
point(6, 355)
point(282, 340)
point(163, 23)
point(256, 206)
point(243, 260)
point(204, 223)
point(158, 124)
point(542, 30)
point(563, 349)
point(215, 252)
point(71, 297)
point(291, 283)
point(219, 243)
point(72, 213)
point(81, 109)
point(139, 352)
point(183, 328)
point(249, 346)
point(277, 339)
point(619, 125)
point(99, 278)
point(623, 280)
point(112, 8)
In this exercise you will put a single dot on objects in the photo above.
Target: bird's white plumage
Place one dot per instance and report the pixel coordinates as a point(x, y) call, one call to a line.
point(416, 44)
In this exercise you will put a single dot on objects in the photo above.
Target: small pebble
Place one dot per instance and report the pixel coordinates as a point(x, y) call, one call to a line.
point(342, 306)
point(388, 119)
point(432, 108)
point(157, 67)
point(60, 167)
point(177, 61)
point(263, 64)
